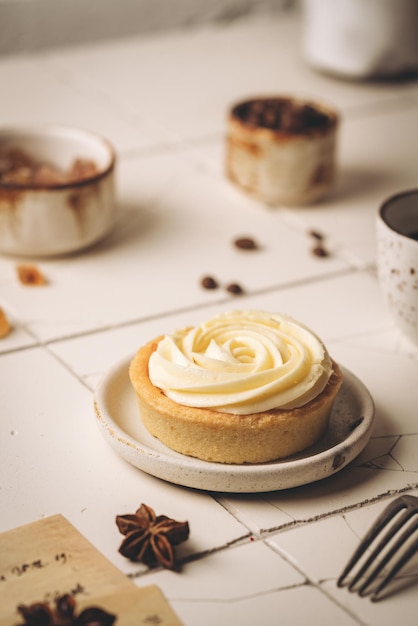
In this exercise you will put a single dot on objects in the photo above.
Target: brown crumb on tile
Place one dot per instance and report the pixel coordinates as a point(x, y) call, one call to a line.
point(316, 235)
point(5, 326)
point(30, 275)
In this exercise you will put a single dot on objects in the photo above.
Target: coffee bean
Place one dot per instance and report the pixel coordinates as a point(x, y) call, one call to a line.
point(235, 289)
point(320, 251)
point(208, 282)
point(245, 243)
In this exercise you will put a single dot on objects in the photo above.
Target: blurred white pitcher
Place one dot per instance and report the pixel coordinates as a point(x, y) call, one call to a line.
point(397, 259)
point(361, 38)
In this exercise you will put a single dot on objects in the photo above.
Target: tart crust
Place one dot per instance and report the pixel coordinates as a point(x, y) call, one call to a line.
point(223, 437)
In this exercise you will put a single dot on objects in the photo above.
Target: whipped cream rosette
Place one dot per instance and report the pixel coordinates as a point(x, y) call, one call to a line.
point(242, 362)
point(242, 387)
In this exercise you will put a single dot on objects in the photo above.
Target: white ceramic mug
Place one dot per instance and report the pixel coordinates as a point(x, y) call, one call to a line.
point(361, 38)
point(397, 259)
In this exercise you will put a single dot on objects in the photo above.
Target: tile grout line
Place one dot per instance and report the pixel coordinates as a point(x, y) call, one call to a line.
point(316, 584)
point(163, 314)
point(391, 493)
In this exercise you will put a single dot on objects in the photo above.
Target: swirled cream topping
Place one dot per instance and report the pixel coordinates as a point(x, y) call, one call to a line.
point(242, 362)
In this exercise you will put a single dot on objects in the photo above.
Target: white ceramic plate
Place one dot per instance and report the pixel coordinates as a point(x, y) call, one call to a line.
point(119, 421)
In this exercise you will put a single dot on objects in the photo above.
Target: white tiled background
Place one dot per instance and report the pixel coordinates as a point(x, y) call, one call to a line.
point(161, 98)
point(39, 24)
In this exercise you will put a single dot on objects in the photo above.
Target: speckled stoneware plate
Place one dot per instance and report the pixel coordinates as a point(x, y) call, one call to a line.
point(349, 430)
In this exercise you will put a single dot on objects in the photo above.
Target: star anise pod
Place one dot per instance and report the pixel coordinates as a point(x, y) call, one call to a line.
point(40, 614)
point(149, 538)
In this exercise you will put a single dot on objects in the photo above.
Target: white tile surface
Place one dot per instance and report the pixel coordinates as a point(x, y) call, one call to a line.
point(384, 166)
point(32, 94)
point(162, 100)
point(45, 23)
point(18, 337)
point(350, 487)
point(293, 607)
point(264, 568)
point(202, 73)
point(324, 561)
point(176, 226)
point(50, 431)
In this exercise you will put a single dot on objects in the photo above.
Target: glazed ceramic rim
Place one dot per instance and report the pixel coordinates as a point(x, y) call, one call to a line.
point(328, 110)
point(389, 204)
point(62, 131)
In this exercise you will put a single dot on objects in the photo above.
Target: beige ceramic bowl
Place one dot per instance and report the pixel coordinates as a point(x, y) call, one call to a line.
point(282, 150)
point(56, 189)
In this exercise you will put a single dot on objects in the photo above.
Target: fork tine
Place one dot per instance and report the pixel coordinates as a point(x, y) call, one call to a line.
point(391, 552)
point(391, 532)
point(408, 554)
point(387, 514)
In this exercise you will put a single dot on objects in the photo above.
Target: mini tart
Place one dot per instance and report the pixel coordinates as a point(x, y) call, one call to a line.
point(225, 438)
point(281, 150)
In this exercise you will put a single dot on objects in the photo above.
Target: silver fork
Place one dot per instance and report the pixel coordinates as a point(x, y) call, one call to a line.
point(391, 531)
